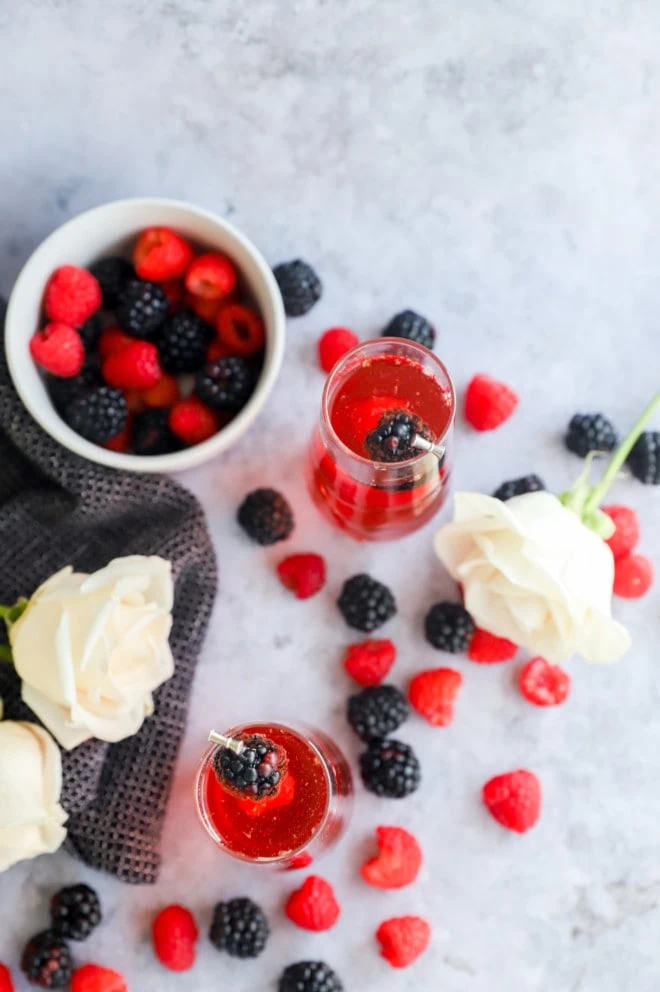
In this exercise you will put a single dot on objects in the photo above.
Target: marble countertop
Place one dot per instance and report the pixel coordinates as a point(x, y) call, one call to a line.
point(493, 164)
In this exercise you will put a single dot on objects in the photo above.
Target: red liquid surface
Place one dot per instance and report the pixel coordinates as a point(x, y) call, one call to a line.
point(273, 828)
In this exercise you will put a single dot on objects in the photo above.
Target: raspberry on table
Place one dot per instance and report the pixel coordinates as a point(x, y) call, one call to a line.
point(152, 435)
point(191, 421)
point(369, 662)
point(161, 254)
point(403, 939)
point(240, 329)
point(398, 861)
point(93, 978)
point(544, 684)
point(97, 415)
point(377, 711)
point(488, 649)
point(90, 331)
point(626, 535)
point(411, 326)
point(390, 769)
point(313, 906)
point(75, 912)
point(256, 773)
point(134, 367)
point(299, 285)
point(334, 344)
point(6, 983)
point(72, 296)
point(488, 402)
point(633, 576)
point(432, 694)
point(589, 432)
point(142, 308)
point(266, 516)
point(449, 627)
point(514, 799)
point(112, 275)
point(365, 603)
point(519, 487)
point(391, 440)
point(240, 928)
point(182, 342)
point(59, 350)
point(309, 976)
point(174, 935)
point(211, 276)
point(46, 961)
point(225, 384)
point(304, 574)
point(644, 459)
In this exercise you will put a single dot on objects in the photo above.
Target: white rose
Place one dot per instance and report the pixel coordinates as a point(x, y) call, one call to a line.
point(31, 818)
point(531, 571)
point(91, 649)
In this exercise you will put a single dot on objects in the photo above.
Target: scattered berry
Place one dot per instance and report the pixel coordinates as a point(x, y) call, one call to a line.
point(256, 773)
point(390, 769)
point(402, 939)
point(75, 912)
point(625, 537)
point(519, 487)
point(514, 800)
point(174, 934)
point(590, 432)
point(398, 861)
point(449, 627)
point(334, 344)
point(134, 367)
point(151, 434)
point(142, 308)
point(303, 574)
point(369, 662)
point(72, 296)
point(633, 576)
point(391, 440)
point(299, 285)
point(191, 421)
point(301, 860)
point(313, 906)
point(97, 415)
point(240, 928)
point(309, 976)
point(6, 983)
point(433, 693)
point(211, 276)
point(225, 384)
point(46, 961)
point(161, 254)
point(183, 341)
point(93, 978)
point(487, 649)
point(58, 349)
point(644, 459)
point(164, 393)
point(365, 603)
point(488, 403)
point(112, 274)
point(412, 326)
point(266, 516)
point(113, 340)
point(90, 331)
point(544, 684)
point(377, 711)
point(241, 329)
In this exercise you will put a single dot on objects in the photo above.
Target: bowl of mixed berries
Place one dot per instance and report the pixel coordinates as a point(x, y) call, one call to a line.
point(145, 334)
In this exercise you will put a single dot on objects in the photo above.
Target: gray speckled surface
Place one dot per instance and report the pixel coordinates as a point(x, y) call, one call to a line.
point(493, 164)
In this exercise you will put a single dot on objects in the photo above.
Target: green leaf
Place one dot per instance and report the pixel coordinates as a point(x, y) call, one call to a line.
point(10, 614)
point(6, 655)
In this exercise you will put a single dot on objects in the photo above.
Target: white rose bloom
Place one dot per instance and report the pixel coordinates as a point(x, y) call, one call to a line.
point(31, 818)
point(91, 649)
point(531, 571)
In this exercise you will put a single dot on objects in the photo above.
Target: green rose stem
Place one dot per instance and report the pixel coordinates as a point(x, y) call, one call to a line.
point(10, 615)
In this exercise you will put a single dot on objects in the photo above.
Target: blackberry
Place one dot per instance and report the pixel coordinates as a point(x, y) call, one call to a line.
point(391, 440)
point(112, 273)
point(240, 928)
point(365, 603)
point(255, 772)
point(90, 331)
point(152, 435)
point(183, 341)
point(225, 384)
point(266, 516)
point(377, 711)
point(518, 487)
point(46, 961)
point(299, 285)
point(63, 391)
point(98, 414)
point(644, 459)
point(142, 308)
point(75, 912)
point(390, 768)
point(449, 627)
point(309, 976)
point(412, 326)
point(590, 432)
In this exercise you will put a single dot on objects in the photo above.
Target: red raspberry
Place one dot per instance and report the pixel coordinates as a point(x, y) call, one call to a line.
point(625, 537)
point(313, 906)
point(206, 309)
point(487, 649)
point(544, 684)
point(72, 296)
point(6, 984)
point(433, 692)
point(301, 860)
point(175, 934)
point(286, 795)
point(368, 662)
point(112, 340)
point(164, 393)
point(211, 276)
point(240, 329)
point(334, 344)
point(488, 403)
point(134, 367)
point(160, 254)
point(402, 939)
point(58, 349)
point(398, 860)
point(514, 799)
point(174, 290)
point(216, 350)
point(633, 576)
point(303, 574)
point(93, 978)
point(134, 400)
point(192, 421)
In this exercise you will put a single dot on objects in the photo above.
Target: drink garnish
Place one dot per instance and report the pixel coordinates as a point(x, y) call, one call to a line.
point(396, 435)
point(250, 766)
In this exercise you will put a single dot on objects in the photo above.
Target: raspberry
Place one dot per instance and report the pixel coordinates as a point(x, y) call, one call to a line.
point(211, 276)
point(625, 537)
point(488, 403)
point(334, 344)
point(240, 928)
point(225, 384)
point(174, 933)
point(390, 769)
point(112, 340)
point(313, 906)
point(72, 296)
point(544, 684)
point(164, 393)
point(590, 432)
point(299, 285)
point(365, 603)
point(142, 308)
point(208, 310)
point(216, 349)
point(433, 693)
point(633, 576)
point(174, 290)
point(301, 860)
point(192, 421)
point(644, 459)
point(309, 976)
point(377, 711)
point(93, 978)
point(182, 342)
point(161, 254)
point(402, 939)
point(303, 574)
point(75, 912)
point(58, 349)
point(369, 661)
point(412, 326)
point(398, 861)
point(266, 516)
point(134, 367)
point(46, 961)
point(97, 415)
point(519, 487)
point(6, 984)
point(285, 796)
point(449, 627)
point(241, 329)
point(112, 274)
point(514, 800)
point(487, 649)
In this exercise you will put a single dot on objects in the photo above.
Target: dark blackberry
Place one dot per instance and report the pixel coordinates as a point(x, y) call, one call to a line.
point(391, 440)
point(225, 384)
point(518, 487)
point(46, 961)
point(240, 928)
point(412, 326)
point(644, 459)
point(256, 772)
point(377, 711)
point(112, 273)
point(449, 627)
point(309, 976)
point(142, 308)
point(183, 341)
point(90, 331)
point(390, 768)
point(365, 603)
point(75, 912)
point(151, 434)
point(266, 516)
point(590, 432)
point(98, 414)
point(299, 285)
point(63, 391)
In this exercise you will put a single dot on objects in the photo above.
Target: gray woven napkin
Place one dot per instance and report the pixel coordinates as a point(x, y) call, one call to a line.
point(57, 509)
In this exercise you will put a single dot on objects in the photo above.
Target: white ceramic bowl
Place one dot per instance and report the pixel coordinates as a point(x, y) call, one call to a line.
point(111, 229)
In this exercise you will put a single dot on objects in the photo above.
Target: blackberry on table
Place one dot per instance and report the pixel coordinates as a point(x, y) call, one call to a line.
point(63, 391)
point(391, 440)
point(151, 434)
point(225, 384)
point(365, 603)
point(256, 772)
point(413, 327)
point(90, 331)
point(644, 459)
point(299, 285)
point(98, 414)
point(590, 432)
point(266, 516)
point(240, 928)
point(142, 308)
point(183, 341)
point(518, 487)
point(377, 711)
point(112, 274)
point(390, 769)
point(46, 961)
point(309, 976)
point(449, 627)
point(75, 911)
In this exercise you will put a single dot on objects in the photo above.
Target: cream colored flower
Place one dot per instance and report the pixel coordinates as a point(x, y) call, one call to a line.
point(91, 649)
point(531, 571)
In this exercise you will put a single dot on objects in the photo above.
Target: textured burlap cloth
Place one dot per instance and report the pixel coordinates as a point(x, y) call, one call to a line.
point(57, 509)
